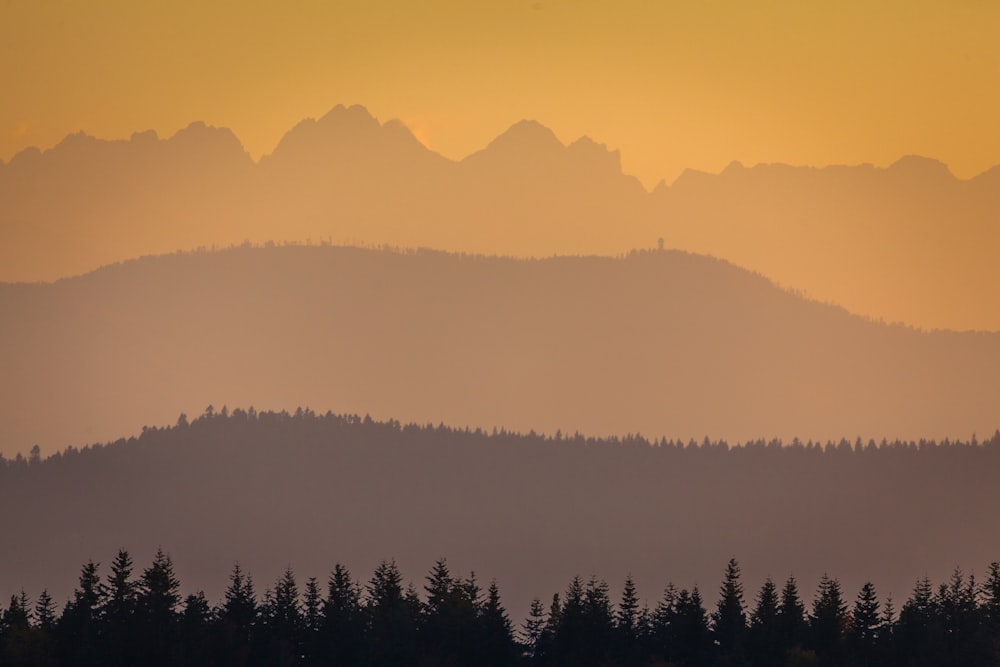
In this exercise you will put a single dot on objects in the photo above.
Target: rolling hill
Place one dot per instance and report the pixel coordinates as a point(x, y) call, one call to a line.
point(662, 343)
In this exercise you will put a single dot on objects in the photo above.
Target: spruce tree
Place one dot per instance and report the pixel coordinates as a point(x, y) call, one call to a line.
point(157, 601)
point(312, 624)
point(391, 619)
point(766, 641)
point(792, 614)
point(828, 622)
point(729, 618)
point(118, 613)
point(78, 641)
point(627, 625)
point(195, 631)
point(45, 612)
point(866, 625)
point(495, 646)
point(531, 630)
point(237, 617)
point(343, 634)
point(285, 619)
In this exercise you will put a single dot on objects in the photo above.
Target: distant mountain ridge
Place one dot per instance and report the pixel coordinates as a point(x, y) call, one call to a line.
point(662, 343)
point(908, 243)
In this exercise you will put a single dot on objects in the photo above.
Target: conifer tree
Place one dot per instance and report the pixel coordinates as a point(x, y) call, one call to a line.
point(627, 630)
point(78, 625)
point(236, 619)
point(442, 622)
point(391, 619)
point(532, 628)
point(866, 625)
point(991, 600)
point(312, 621)
point(662, 631)
point(765, 634)
point(45, 612)
point(285, 619)
point(118, 612)
point(690, 636)
point(729, 618)
point(343, 619)
point(917, 629)
point(495, 646)
point(195, 631)
point(156, 603)
point(828, 622)
point(791, 614)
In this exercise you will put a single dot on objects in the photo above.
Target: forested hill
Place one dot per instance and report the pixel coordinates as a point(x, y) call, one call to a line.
point(270, 490)
point(662, 343)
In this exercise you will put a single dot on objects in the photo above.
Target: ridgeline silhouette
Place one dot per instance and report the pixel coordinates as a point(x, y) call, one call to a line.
point(661, 343)
point(909, 243)
point(129, 619)
point(272, 489)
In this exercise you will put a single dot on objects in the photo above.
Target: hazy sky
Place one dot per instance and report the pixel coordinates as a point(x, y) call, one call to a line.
point(673, 84)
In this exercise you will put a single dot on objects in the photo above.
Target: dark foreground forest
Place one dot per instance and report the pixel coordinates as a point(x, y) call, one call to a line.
point(118, 618)
point(277, 489)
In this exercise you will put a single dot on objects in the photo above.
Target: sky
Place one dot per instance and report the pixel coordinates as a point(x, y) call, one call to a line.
point(672, 84)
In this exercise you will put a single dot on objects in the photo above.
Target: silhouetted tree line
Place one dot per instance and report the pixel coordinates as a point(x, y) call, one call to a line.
point(124, 619)
point(305, 425)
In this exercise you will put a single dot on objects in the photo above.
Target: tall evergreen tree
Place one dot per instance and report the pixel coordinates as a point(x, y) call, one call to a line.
point(444, 616)
point(78, 626)
point(766, 642)
point(918, 628)
point(828, 622)
point(531, 630)
point(546, 649)
point(792, 614)
point(663, 627)
point(195, 631)
point(991, 601)
point(118, 613)
point(627, 649)
point(690, 637)
point(391, 619)
point(495, 646)
point(729, 619)
point(312, 622)
point(343, 619)
point(45, 612)
point(156, 603)
point(285, 621)
point(866, 626)
point(960, 619)
point(237, 618)
point(599, 622)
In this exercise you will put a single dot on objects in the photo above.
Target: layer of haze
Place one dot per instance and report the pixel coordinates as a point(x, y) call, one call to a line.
point(908, 243)
point(661, 343)
point(672, 84)
point(272, 491)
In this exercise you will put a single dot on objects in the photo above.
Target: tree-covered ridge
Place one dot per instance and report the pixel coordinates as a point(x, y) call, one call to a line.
point(267, 487)
point(246, 425)
point(122, 617)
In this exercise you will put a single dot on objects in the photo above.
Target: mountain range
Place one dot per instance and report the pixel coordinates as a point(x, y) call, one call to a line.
point(658, 342)
point(908, 243)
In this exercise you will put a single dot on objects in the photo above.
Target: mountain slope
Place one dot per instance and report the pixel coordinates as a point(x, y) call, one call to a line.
point(663, 343)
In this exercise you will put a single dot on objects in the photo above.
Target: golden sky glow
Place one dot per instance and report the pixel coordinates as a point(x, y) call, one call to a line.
point(672, 84)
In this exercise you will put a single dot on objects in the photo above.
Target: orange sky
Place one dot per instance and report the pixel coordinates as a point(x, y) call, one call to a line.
point(672, 84)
